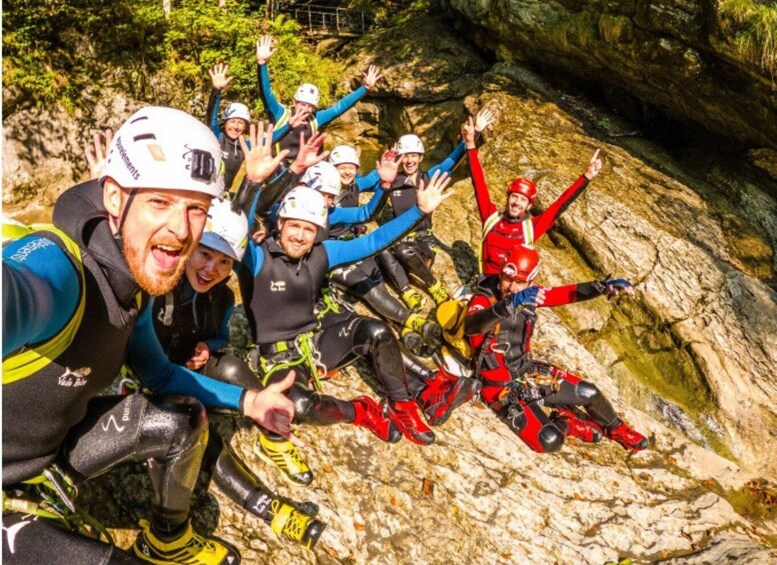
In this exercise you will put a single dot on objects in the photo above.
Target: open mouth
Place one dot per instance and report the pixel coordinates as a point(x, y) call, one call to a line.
point(203, 280)
point(166, 256)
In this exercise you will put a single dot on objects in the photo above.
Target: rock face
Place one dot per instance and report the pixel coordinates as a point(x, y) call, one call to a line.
point(478, 494)
point(674, 55)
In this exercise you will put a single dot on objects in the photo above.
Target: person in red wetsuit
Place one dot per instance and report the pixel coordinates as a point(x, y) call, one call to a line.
point(503, 230)
point(499, 324)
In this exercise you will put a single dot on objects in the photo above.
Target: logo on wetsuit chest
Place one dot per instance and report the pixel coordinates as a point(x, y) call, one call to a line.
point(278, 286)
point(74, 378)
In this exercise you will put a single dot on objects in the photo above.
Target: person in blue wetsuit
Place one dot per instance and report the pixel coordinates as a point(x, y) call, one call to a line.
point(280, 280)
point(305, 109)
point(415, 254)
point(74, 297)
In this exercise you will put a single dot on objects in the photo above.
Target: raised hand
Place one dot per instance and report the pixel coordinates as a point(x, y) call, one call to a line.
point(371, 77)
point(264, 49)
point(271, 409)
point(308, 154)
point(259, 161)
point(299, 118)
point(218, 76)
point(388, 166)
point(532, 296)
point(468, 133)
point(430, 197)
point(613, 287)
point(484, 119)
point(95, 159)
point(594, 166)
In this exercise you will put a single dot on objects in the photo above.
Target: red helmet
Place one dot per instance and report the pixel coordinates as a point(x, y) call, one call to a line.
point(522, 263)
point(523, 186)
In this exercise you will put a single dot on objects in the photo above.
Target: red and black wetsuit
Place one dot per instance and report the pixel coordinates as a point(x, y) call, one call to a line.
point(500, 335)
point(501, 233)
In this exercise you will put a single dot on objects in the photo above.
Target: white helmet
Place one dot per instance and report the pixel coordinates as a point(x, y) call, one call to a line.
point(226, 230)
point(304, 203)
point(166, 149)
point(343, 154)
point(237, 110)
point(307, 93)
point(323, 177)
point(409, 144)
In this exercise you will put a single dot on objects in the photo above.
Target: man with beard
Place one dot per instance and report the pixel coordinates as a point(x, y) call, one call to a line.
point(502, 231)
point(72, 297)
point(280, 282)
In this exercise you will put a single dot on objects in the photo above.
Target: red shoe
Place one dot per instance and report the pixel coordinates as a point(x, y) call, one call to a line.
point(405, 415)
point(628, 437)
point(370, 415)
point(583, 429)
point(443, 394)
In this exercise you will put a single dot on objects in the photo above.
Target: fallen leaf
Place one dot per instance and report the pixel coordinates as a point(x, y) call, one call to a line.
point(428, 487)
point(616, 484)
point(393, 501)
point(327, 469)
point(358, 527)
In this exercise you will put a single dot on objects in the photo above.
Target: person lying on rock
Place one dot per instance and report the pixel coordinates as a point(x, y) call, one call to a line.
point(280, 280)
point(503, 230)
point(499, 324)
point(305, 110)
point(415, 254)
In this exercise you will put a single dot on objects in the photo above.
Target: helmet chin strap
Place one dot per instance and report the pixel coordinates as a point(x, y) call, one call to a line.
point(123, 217)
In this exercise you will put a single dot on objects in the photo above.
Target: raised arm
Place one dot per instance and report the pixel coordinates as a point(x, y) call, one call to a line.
point(219, 81)
point(544, 221)
point(429, 199)
point(371, 77)
point(265, 50)
point(482, 121)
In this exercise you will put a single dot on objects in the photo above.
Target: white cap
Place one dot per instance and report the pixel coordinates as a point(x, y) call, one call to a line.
point(166, 149)
point(237, 110)
point(307, 93)
point(303, 203)
point(226, 230)
point(323, 177)
point(409, 143)
point(343, 154)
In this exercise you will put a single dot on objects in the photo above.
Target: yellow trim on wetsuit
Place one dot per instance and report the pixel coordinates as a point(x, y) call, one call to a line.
point(31, 360)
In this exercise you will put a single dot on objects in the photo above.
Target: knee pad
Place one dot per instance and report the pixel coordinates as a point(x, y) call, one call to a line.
point(231, 369)
point(303, 399)
point(375, 331)
point(174, 421)
point(586, 391)
point(551, 438)
point(405, 250)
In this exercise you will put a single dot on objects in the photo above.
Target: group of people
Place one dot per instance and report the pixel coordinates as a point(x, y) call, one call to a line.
point(135, 268)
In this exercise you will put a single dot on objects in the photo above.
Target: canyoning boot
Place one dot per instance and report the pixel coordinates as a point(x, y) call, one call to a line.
point(627, 436)
point(413, 300)
point(431, 332)
point(284, 455)
point(405, 415)
point(412, 340)
point(580, 428)
point(189, 547)
point(294, 525)
point(443, 394)
point(372, 416)
point(439, 293)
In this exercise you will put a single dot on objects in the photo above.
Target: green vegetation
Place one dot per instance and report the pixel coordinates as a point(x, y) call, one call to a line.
point(754, 25)
point(57, 51)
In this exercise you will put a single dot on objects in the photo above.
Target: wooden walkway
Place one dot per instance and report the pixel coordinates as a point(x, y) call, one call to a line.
point(327, 21)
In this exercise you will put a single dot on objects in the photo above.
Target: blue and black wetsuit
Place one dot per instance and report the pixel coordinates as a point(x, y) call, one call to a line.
point(415, 254)
point(285, 138)
point(42, 290)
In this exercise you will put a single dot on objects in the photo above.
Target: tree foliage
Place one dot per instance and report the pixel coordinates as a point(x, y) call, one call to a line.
point(63, 51)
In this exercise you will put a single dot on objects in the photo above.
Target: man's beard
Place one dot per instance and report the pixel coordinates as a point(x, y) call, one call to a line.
point(162, 283)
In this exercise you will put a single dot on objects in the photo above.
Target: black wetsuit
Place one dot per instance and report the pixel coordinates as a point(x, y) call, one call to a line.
point(88, 435)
